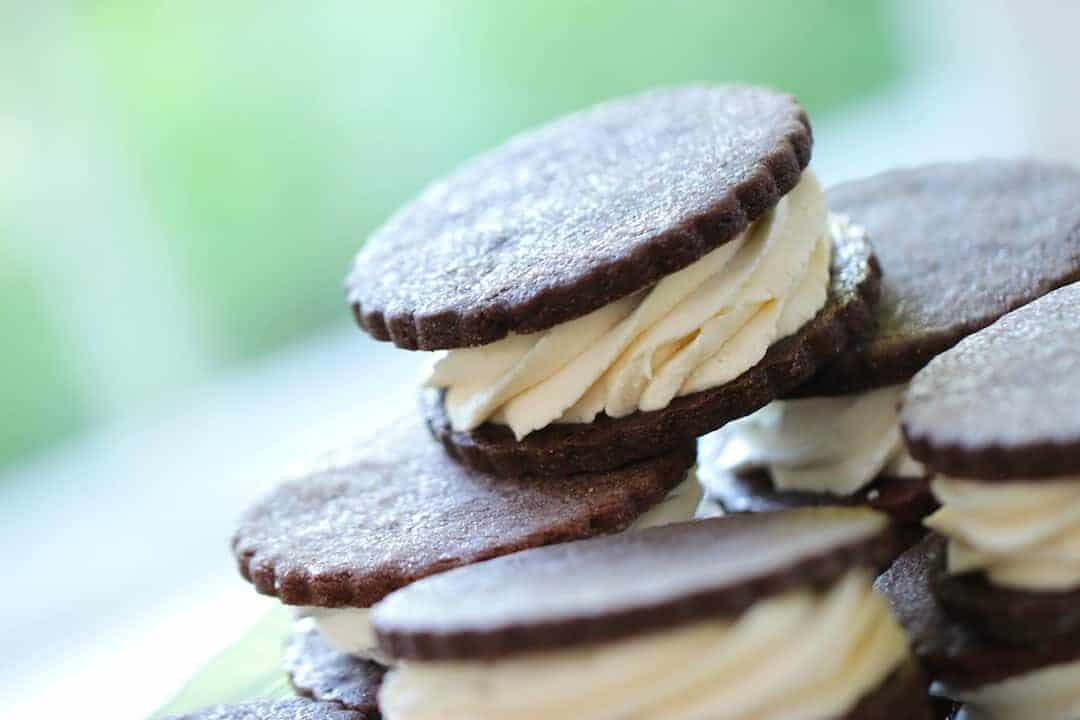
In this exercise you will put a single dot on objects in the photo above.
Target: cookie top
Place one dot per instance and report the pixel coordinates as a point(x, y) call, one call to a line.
point(1005, 402)
point(290, 709)
point(395, 507)
point(960, 246)
point(319, 672)
point(569, 217)
point(623, 585)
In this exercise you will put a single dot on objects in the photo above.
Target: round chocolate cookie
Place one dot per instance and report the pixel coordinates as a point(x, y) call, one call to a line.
point(610, 588)
point(960, 245)
point(952, 651)
point(322, 673)
point(1005, 402)
point(291, 709)
point(394, 508)
point(607, 442)
point(572, 216)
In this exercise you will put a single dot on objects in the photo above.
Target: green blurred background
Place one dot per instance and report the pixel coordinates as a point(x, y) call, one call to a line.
point(182, 184)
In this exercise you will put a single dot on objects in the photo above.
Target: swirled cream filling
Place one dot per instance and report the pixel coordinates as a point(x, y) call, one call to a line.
point(823, 445)
point(696, 329)
point(1050, 693)
point(348, 630)
point(797, 655)
point(1023, 535)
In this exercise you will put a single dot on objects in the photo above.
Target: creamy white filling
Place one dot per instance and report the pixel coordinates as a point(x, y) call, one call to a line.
point(834, 445)
point(1021, 534)
point(349, 630)
point(798, 655)
point(696, 329)
point(1050, 693)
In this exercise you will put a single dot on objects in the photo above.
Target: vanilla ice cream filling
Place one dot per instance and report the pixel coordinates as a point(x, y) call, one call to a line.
point(348, 630)
point(823, 445)
point(1049, 693)
point(1023, 535)
point(696, 329)
point(797, 655)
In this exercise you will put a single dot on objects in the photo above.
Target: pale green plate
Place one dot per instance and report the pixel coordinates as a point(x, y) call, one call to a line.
point(248, 669)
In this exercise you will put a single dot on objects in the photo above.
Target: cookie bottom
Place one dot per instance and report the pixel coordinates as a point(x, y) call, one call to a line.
point(321, 673)
point(952, 651)
point(1016, 617)
point(906, 500)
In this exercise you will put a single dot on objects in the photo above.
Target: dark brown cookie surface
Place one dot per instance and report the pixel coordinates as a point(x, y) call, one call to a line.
point(1017, 617)
point(610, 442)
point(395, 507)
point(951, 651)
point(960, 246)
point(564, 219)
point(291, 709)
point(322, 673)
point(905, 500)
point(1005, 402)
point(902, 696)
point(623, 585)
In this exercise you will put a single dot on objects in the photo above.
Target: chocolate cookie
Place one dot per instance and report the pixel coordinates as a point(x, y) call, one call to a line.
point(394, 508)
point(572, 216)
point(291, 709)
point(596, 590)
point(1014, 616)
point(321, 673)
point(1005, 402)
point(636, 624)
point(952, 651)
point(960, 246)
point(609, 442)
point(905, 500)
point(901, 697)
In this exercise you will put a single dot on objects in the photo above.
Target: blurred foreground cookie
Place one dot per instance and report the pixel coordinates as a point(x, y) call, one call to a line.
point(995, 608)
point(394, 508)
point(960, 246)
point(292, 709)
point(617, 282)
point(736, 617)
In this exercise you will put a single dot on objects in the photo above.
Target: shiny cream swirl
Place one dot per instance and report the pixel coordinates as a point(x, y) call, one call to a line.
point(1023, 535)
point(797, 655)
point(696, 329)
point(1050, 693)
point(348, 630)
point(824, 445)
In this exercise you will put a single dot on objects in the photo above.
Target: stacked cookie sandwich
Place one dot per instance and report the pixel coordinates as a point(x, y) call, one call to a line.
point(960, 245)
point(993, 603)
point(781, 623)
point(601, 292)
point(618, 282)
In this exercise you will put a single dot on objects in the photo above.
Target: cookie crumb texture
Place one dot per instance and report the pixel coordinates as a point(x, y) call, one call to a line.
point(960, 246)
point(321, 673)
point(395, 507)
point(1005, 402)
point(291, 709)
point(569, 217)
